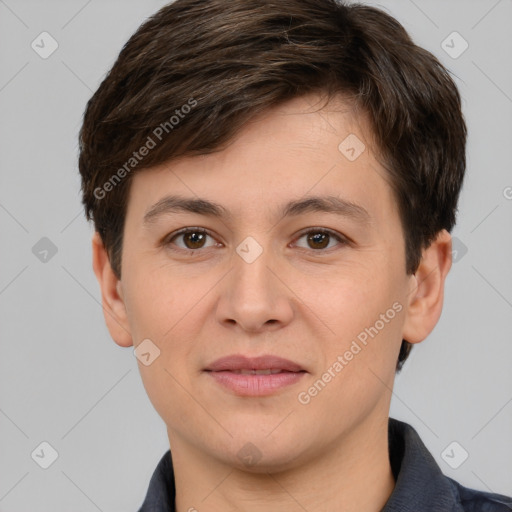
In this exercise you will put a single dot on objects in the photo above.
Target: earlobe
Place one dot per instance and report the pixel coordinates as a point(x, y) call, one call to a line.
point(114, 308)
point(425, 300)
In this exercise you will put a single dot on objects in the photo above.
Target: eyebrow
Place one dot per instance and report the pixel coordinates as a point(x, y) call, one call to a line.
point(326, 204)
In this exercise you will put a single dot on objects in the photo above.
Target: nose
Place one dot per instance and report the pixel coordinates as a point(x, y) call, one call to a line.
point(254, 296)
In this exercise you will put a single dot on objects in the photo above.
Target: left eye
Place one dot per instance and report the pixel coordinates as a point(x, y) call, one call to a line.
point(319, 239)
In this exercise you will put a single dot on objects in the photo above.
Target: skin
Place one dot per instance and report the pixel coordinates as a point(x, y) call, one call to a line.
point(299, 300)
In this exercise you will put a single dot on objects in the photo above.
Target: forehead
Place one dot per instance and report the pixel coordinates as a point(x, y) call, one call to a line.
point(294, 150)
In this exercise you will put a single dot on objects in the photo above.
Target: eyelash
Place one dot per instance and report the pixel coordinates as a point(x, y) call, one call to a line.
point(343, 241)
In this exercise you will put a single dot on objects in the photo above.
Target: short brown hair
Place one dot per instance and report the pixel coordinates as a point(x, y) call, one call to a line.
point(229, 60)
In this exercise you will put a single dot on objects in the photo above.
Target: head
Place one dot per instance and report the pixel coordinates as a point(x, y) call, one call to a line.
point(248, 107)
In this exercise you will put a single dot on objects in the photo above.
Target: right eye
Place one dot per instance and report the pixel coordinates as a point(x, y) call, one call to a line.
point(192, 238)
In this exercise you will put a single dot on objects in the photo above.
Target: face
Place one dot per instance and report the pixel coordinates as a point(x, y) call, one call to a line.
point(300, 256)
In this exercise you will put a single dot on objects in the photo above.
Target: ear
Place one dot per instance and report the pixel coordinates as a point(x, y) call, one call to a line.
point(425, 300)
point(114, 308)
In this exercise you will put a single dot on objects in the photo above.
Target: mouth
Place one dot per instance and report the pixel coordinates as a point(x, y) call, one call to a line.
point(258, 376)
point(256, 372)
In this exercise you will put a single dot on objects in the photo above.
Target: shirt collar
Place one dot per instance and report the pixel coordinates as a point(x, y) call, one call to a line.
point(419, 483)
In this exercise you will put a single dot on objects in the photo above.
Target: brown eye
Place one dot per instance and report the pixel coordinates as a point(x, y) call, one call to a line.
point(319, 239)
point(191, 239)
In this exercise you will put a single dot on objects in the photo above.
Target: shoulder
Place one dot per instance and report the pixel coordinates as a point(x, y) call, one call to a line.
point(423, 487)
point(472, 500)
point(161, 492)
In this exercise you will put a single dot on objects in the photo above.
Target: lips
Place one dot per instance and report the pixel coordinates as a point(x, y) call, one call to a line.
point(255, 376)
point(257, 372)
point(239, 363)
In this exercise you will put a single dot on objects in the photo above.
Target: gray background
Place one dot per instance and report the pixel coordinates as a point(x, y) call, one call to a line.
point(64, 381)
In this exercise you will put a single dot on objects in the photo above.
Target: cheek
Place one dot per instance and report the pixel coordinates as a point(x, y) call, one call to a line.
point(165, 307)
point(165, 315)
point(156, 301)
point(352, 297)
point(358, 364)
point(365, 311)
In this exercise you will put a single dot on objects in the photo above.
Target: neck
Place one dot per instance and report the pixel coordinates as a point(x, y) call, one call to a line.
point(352, 475)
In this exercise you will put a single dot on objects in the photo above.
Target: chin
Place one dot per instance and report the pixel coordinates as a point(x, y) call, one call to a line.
point(257, 452)
point(251, 459)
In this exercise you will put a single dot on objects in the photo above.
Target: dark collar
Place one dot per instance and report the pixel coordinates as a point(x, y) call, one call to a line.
point(420, 484)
